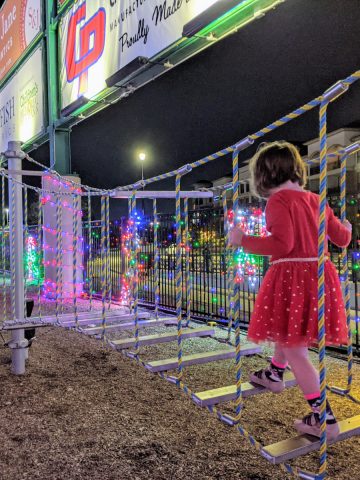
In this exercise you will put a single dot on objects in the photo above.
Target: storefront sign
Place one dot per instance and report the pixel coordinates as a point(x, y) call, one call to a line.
point(21, 103)
point(20, 22)
point(99, 38)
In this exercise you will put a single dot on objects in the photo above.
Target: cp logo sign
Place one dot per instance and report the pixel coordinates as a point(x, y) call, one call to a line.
point(91, 44)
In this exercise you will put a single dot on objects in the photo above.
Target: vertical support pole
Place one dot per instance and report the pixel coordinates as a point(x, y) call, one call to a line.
point(90, 256)
point(75, 243)
point(238, 360)
point(59, 139)
point(188, 278)
point(58, 287)
point(228, 266)
point(26, 268)
point(329, 96)
point(156, 259)
point(178, 276)
point(26, 235)
point(135, 272)
point(18, 343)
point(178, 270)
point(3, 250)
point(321, 284)
point(129, 256)
point(345, 271)
point(40, 250)
point(103, 266)
point(125, 285)
point(62, 151)
point(108, 253)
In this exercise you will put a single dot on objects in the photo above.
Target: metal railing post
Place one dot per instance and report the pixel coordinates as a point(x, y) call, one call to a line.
point(18, 343)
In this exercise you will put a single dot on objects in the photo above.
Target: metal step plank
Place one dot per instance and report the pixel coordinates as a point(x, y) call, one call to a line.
point(200, 358)
point(129, 325)
point(226, 394)
point(110, 317)
point(88, 318)
point(25, 325)
point(94, 314)
point(35, 322)
point(303, 444)
point(163, 337)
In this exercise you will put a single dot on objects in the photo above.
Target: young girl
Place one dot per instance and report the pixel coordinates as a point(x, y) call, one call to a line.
point(286, 307)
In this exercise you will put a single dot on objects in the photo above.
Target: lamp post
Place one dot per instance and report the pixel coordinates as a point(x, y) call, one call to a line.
point(7, 216)
point(142, 158)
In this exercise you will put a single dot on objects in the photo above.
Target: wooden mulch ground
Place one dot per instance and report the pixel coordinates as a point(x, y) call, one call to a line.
point(84, 411)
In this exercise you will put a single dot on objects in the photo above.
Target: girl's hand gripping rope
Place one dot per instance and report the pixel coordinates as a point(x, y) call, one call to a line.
point(347, 225)
point(236, 236)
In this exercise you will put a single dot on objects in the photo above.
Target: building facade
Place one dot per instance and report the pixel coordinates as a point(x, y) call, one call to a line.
point(336, 140)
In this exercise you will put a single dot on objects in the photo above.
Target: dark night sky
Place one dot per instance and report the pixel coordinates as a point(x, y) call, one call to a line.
point(230, 90)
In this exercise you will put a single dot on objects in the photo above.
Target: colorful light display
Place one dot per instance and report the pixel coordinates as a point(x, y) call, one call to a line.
point(32, 261)
point(126, 237)
point(207, 255)
point(61, 212)
point(252, 222)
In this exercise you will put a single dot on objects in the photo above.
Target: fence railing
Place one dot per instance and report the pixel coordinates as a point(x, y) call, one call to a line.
point(207, 267)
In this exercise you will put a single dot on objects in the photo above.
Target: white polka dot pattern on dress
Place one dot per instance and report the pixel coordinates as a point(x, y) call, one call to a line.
point(286, 306)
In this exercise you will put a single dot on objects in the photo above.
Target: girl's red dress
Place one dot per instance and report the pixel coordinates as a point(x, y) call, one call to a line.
point(286, 307)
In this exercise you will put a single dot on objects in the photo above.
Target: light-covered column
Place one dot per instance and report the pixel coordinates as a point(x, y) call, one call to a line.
point(62, 221)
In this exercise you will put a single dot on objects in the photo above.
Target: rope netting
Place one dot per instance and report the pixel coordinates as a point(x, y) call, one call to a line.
point(74, 191)
point(241, 145)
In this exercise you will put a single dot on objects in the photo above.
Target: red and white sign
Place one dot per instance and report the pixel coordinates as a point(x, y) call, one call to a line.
point(20, 23)
point(99, 38)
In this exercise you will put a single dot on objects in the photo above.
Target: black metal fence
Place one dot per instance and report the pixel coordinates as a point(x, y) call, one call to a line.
point(207, 266)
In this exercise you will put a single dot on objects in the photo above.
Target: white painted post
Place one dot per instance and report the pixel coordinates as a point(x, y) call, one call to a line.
point(18, 343)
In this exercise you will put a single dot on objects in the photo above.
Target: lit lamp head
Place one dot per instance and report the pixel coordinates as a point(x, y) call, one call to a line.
point(142, 156)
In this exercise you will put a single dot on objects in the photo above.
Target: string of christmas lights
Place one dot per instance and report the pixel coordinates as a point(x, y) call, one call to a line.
point(32, 259)
point(70, 208)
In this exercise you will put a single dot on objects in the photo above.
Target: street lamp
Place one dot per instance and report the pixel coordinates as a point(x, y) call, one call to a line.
point(142, 158)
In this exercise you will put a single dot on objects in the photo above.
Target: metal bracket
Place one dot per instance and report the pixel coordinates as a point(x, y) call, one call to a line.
point(14, 150)
point(18, 345)
point(350, 149)
point(228, 420)
point(172, 379)
point(244, 143)
point(185, 169)
point(139, 184)
point(334, 91)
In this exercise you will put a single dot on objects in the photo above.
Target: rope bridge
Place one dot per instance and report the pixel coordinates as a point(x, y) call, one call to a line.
point(66, 199)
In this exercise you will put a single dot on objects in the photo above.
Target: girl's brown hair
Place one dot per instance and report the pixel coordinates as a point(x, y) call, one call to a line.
point(274, 164)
